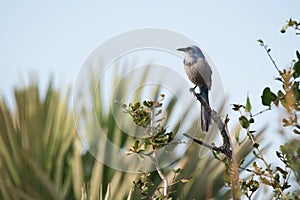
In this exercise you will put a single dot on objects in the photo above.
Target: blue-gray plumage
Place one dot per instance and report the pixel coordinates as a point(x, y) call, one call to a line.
point(199, 73)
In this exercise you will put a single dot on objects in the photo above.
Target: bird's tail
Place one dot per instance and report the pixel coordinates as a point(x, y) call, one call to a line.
point(205, 116)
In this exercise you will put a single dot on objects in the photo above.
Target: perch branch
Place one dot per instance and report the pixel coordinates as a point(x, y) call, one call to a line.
point(226, 147)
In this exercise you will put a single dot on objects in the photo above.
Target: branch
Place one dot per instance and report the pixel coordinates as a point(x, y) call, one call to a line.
point(268, 52)
point(158, 169)
point(211, 147)
point(261, 112)
point(226, 147)
point(222, 126)
point(161, 175)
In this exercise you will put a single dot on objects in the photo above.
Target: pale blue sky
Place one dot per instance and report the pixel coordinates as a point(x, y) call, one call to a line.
point(55, 37)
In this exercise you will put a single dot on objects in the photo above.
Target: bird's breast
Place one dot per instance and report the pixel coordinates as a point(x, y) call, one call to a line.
point(198, 72)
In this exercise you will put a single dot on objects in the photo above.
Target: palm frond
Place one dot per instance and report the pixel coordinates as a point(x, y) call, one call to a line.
point(36, 145)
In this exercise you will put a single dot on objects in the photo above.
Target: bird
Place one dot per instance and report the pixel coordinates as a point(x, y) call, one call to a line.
point(199, 73)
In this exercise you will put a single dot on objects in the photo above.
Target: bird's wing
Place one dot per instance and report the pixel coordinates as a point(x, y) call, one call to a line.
point(205, 71)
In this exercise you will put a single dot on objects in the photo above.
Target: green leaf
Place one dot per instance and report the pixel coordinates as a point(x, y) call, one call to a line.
point(177, 170)
point(285, 122)
point(158, 112)
point(296, 91)
point(280, 94)
point(147, 103)
point(244, 122)
point(279, 154)
point(251, 120)
point(248, 105)
point(241, 162)
point(236, 107)
point(137, 105)
point(237, 135)
point(256, 145)
point(256, 155)
point(296, 131)
point(282, 171)
point(298, 55)
point(285, 186)
point(268, 97)
point(260, 41)
point(283, 29)
point(296, 69)
point(136, 144)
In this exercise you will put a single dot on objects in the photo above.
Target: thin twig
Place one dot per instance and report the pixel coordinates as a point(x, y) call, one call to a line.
point(261, 112)
point(268, 52)
point(161, 175)
point(261, 156)
point(268, 166)
point(211, 147)
point(158, 169)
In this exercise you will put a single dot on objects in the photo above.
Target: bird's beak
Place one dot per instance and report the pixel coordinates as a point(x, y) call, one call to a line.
point(181, 49)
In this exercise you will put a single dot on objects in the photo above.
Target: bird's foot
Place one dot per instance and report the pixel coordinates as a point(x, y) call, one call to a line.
point(192, 90)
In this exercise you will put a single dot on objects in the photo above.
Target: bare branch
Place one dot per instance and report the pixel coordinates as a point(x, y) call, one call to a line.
point(162, 176)
point(222, 126)
point(226, 147)
point(211, 147)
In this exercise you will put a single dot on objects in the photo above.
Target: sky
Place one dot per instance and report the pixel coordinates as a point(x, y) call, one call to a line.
point(54, 38)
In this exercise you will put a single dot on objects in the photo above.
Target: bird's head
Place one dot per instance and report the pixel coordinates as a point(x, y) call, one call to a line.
point(192, 51)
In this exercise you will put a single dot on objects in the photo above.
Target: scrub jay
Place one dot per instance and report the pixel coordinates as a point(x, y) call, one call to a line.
point(199, 73)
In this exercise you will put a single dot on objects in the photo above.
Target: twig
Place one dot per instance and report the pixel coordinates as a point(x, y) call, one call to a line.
point(160, 173)
point(261, 112)
point(268, 166)
point(211, 147)
point(261, 156)
point(268, 52)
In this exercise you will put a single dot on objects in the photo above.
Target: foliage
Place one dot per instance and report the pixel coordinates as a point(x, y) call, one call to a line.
point(262, 172)
point(40, 154)
point(156, 137)
point(36, 146)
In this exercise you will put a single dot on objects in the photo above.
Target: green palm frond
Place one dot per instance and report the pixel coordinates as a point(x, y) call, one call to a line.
point(36, 145)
